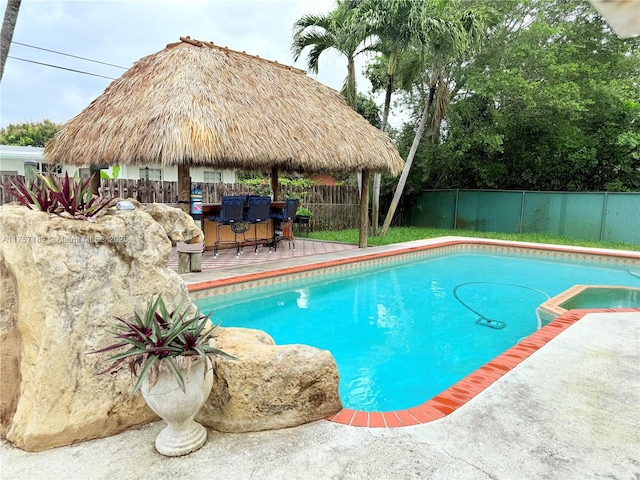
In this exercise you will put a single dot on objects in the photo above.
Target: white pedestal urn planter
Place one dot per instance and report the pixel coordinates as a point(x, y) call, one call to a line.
point(182, 435)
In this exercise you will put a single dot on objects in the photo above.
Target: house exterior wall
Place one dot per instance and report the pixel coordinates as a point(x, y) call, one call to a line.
point(12, 160)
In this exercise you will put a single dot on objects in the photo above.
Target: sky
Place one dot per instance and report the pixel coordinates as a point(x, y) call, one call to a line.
point(120, 32)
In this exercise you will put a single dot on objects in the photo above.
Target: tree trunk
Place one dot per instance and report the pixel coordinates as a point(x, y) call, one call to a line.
point(407, 164)
point(364, 210)
point(351, 95)
point(375, 208)
point(6, 35)
point(352, 98)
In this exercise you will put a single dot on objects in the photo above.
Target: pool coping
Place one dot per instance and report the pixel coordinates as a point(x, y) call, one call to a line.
point(466, 389)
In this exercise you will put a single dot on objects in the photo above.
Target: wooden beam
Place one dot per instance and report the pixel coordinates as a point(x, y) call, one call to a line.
point(364, 209)
point(184, 187)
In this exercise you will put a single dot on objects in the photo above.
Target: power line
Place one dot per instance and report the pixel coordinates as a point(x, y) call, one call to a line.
point(69, 55)
point(62, 68)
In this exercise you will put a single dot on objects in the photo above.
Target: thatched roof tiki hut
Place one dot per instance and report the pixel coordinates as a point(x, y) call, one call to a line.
point(194, 103)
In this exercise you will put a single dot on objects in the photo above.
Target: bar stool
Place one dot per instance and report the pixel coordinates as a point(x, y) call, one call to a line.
point(286, 217)
point(257, 213)
point(231, 213)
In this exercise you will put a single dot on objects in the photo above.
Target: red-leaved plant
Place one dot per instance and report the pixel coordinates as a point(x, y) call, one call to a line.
point(159, 338)
point(67, 197)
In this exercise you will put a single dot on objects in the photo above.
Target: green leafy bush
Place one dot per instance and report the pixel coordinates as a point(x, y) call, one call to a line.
point(304, 212)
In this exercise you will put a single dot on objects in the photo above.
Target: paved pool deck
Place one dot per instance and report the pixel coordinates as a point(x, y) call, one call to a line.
point(571, 410)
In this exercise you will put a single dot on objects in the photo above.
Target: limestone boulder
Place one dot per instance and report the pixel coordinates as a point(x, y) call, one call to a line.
point(62, 281)
point(179, 226)
point(270, 386)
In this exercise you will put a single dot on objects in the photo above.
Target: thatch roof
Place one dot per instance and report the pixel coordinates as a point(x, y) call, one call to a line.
point(196, 103)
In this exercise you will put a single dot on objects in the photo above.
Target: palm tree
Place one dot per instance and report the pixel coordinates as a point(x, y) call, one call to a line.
point(394, 25)
point(337, 30)
point(447, 34)
point(6, 35)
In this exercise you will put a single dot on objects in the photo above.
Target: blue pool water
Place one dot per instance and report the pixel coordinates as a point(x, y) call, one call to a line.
point(398, 332)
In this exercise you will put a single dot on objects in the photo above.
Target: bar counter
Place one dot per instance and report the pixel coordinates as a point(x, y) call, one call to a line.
point(265, 231)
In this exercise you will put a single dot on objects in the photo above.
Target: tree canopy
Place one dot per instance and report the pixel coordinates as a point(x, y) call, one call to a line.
point(29, 134)
point(552, 102)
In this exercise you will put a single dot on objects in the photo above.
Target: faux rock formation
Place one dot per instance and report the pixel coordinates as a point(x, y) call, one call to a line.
point(269, 386)
point(62, 282)
point(179, 227)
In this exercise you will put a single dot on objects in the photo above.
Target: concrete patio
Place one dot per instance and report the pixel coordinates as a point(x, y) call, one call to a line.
point(570, 411)
point(227, 258)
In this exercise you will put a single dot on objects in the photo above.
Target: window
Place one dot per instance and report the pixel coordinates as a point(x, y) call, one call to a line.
point(84, 172)
point(150, 174)
point(212, 177)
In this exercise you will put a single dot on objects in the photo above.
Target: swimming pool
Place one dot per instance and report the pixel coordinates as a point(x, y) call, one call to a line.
point(403, 332)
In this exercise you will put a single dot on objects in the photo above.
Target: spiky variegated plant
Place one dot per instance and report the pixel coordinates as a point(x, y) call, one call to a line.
point(68, 197)
point(160, 338)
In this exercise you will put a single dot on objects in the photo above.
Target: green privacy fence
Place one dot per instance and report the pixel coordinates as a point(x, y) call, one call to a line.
point(603, 216)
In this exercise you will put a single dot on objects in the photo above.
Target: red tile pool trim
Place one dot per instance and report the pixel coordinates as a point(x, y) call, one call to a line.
point(460, 393)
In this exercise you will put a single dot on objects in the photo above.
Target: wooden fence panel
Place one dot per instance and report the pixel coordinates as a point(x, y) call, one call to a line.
point(5, 196)
point(333, 207)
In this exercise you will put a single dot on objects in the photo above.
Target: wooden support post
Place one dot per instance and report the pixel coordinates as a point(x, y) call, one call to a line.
point(184, 187)
point(364, 209)
point(274, 182)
